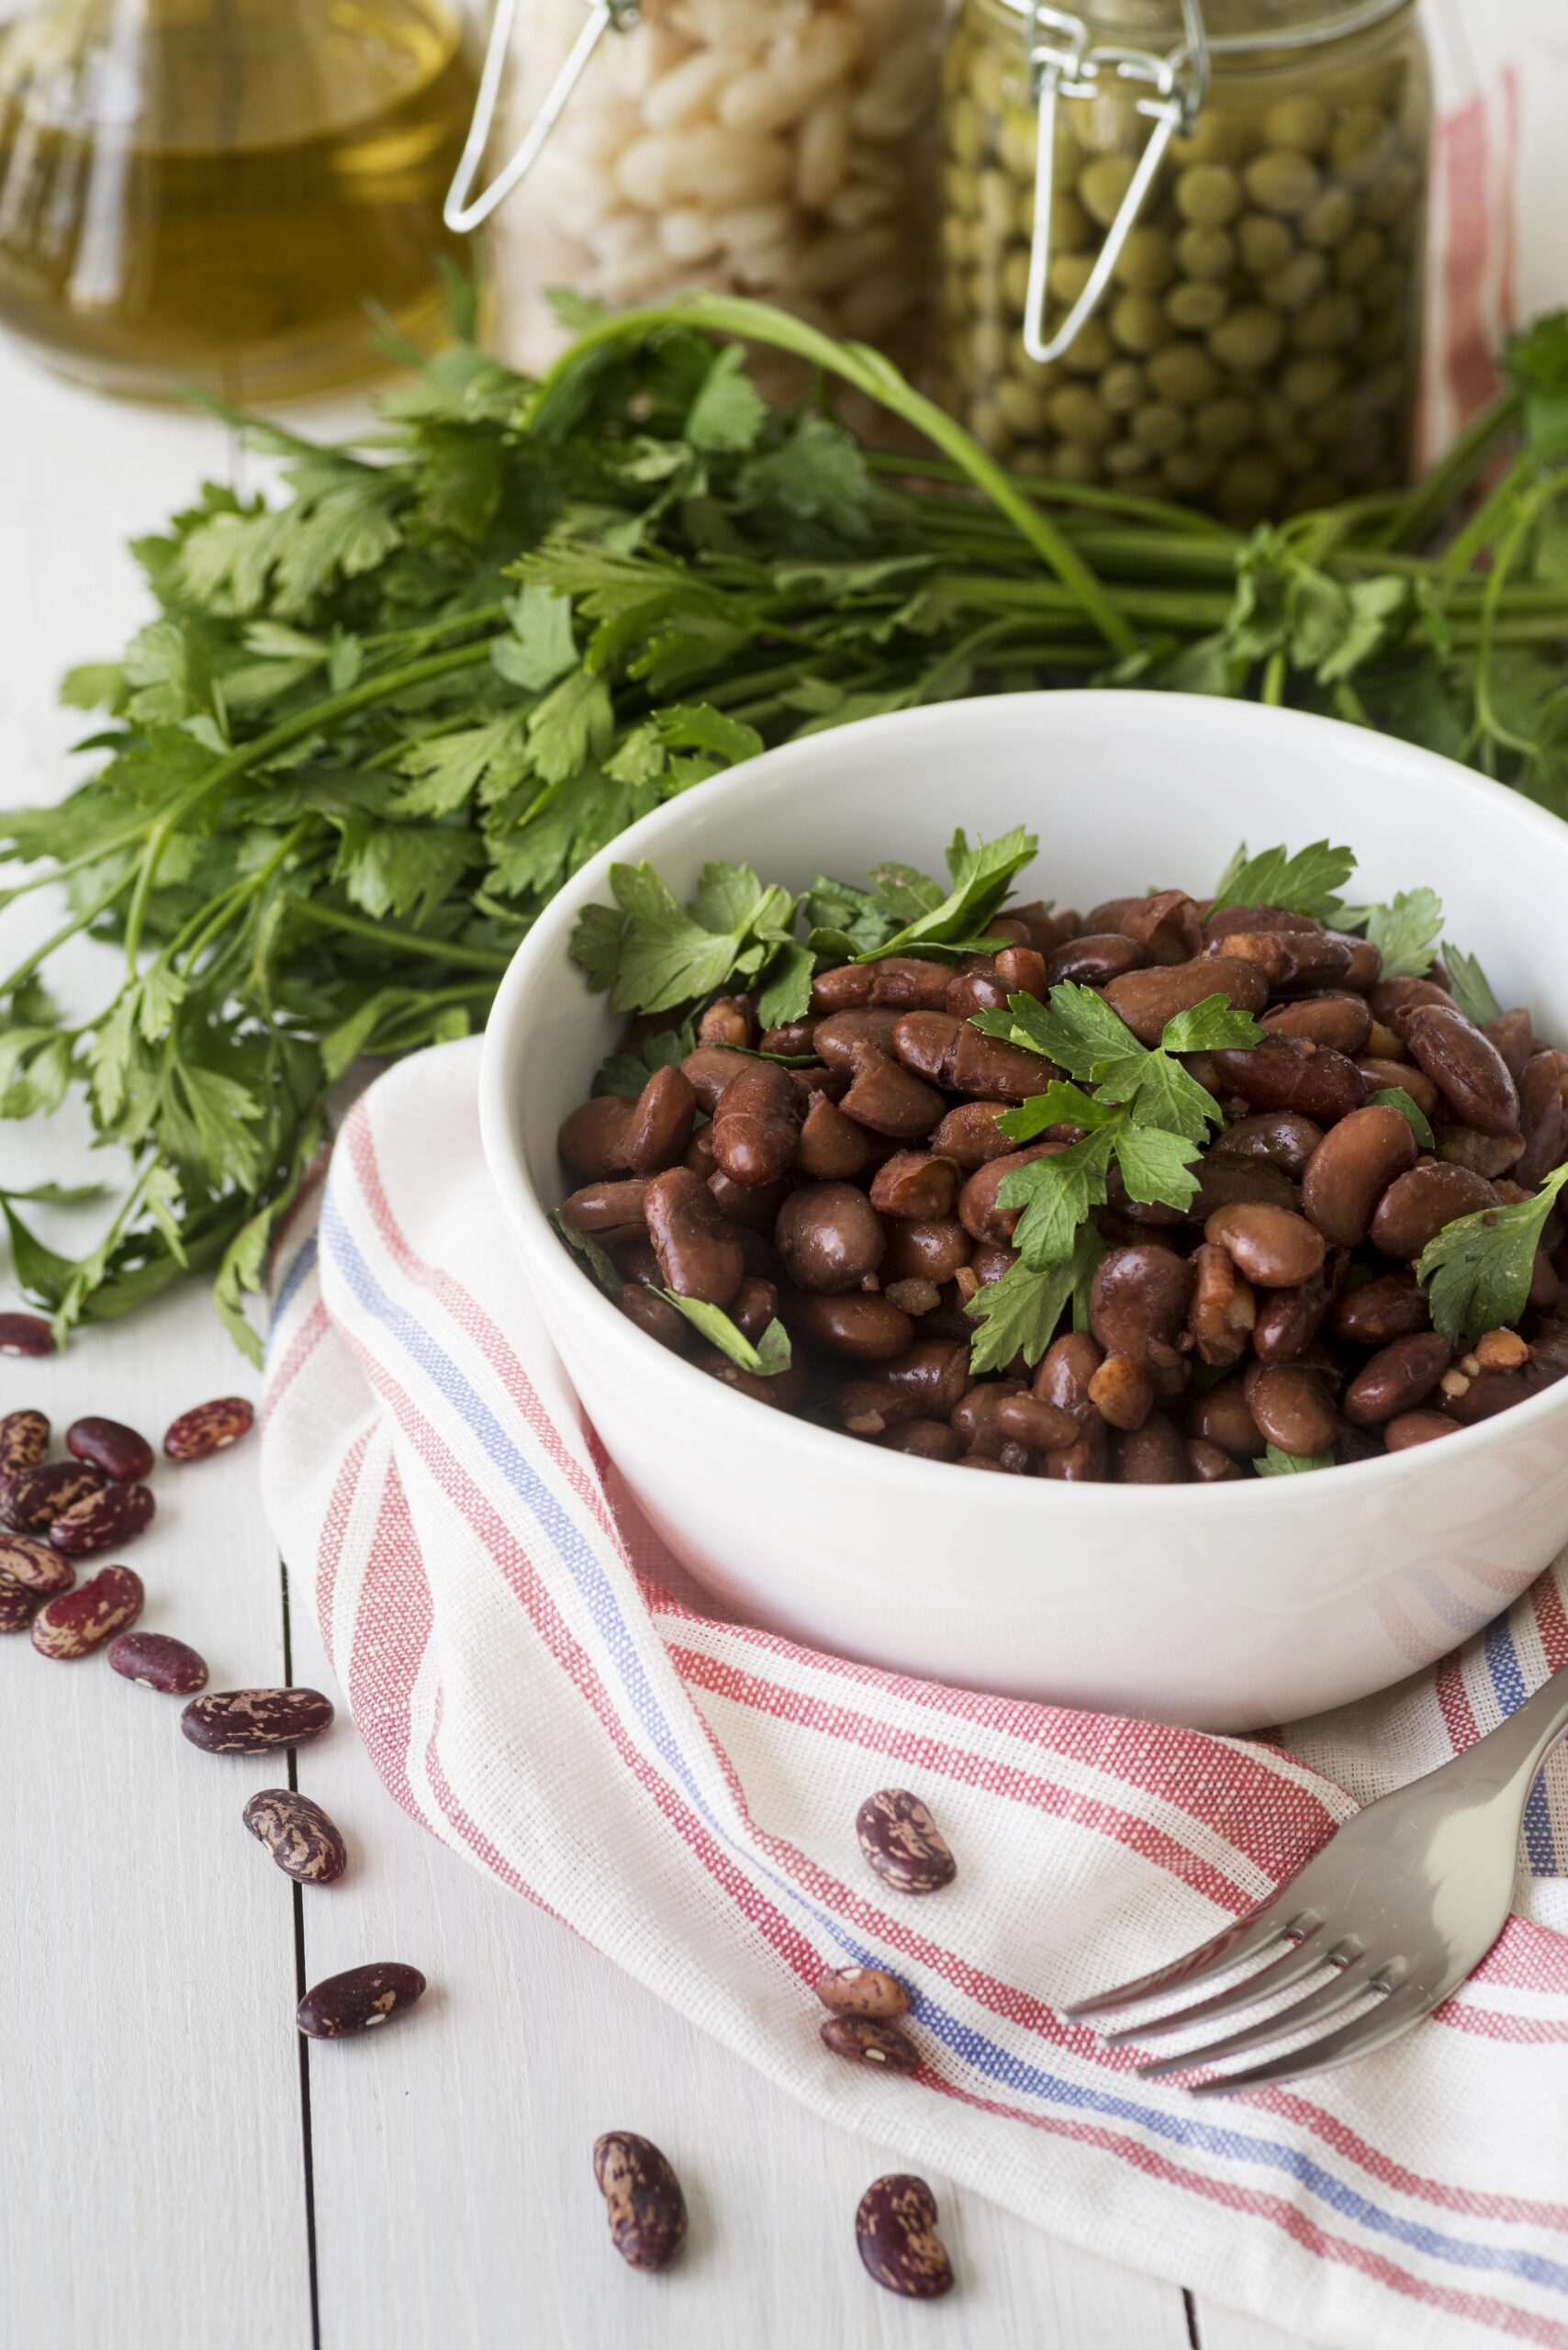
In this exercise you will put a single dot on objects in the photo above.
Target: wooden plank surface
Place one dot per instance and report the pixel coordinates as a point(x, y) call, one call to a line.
point(161, 2133)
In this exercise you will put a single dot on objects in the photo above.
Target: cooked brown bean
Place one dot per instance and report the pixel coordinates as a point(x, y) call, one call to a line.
point(1292, 962)
point(1391, 1306)
point(1138, 1302)
point(1399, 1377)
point(604, 1208)
point(841, 1039)
point(915, 1183)
point(1065, 1373)
point(1230, 919)
point(1366, 963)
point(1416, 1207)
point(1207, 1465)
point(1543, 1116)
point(1292, 1409)
point(756, 1124)
point(698, 1252)
point(792, 1038)
point(1412, 1429)
point(979, 1211)
point(1465, 1065)
point(911, 981)
point(1152, 1454)
point(751, 1207)
point(1282, 1138)
point(1393, 996)
point(1342, 1021)
point(926, 1439)
point(974, 1417)
point(1146, 1000)
point(1489, 1154)
point(1226, 1182)
point(922, 1248)
point(754, 1305)
point(829, 1236)
point(1039, 1428)
point(1089, 962)
point(1513, 1033)
point(833, 1148)
point(593, 1139)
point(889, 1099)
point(951, 1053)
point(870, 1408)
point(968, 1135)
point(1221, 1415)
point(861, 1325)
point(977, 986)
point(1274, 1248)
point(1223, 1311)
point(935, 1371)
point(1380, 1075)
point(1087, 1462)
point(1022, 970)
point(1288, 1320)
point(661, 1121)
point(836, 991)
point(1290, 1073)
point(1122, 1393)
point(709, 1069)
point(731, 1020)
point(785, 1392)
point(1352, 1168)
point(656, 1315)
point(1166, 924)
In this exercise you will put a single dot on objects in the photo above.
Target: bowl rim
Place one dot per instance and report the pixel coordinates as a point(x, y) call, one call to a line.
point(703, 807)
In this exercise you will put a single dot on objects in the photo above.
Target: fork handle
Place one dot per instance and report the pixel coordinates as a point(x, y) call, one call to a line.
point(1518, 1746)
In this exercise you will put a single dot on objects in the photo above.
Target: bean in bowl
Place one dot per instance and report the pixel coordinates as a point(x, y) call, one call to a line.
point(1184, 1189)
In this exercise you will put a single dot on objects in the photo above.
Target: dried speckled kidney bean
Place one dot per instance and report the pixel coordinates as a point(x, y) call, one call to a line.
point(865, 2041)
point(34, 1497)
point(358, 2000)
point(16, 1605)
point(208, 1428)
point(24, 1441)
point(863, 1991)
point(643, 2200)
point(101, 1521)
point(35, 1564)
point(158, 1662)
point(306, 1844)
point(255, 1721)
point(895, 2234)
point(902, 1843)
point(76, 1622)
point(120, 1452)
point(25, 1333)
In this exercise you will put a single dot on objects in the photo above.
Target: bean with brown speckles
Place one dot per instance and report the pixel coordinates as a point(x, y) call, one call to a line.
point(863, 1991)
point(903, 1842)
point(75, 1622)
point(24, 1442)
point(31, 1499)
point(18, 1604)
point(862, 2039)
point(643, 2200)
point(358, 2000)
point(895, 2234)
point(34, 1565)
point(255, 1721)
point(306, 1844)
point(158, 1662)
point(208, 1428)
point(103, 1521)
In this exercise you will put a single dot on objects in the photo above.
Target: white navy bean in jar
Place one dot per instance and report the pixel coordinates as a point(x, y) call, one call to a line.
point(1220, 300)
point(782, 149)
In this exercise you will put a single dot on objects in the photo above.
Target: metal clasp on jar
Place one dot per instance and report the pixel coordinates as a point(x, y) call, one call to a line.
point(1063, 65)
point(459, 213)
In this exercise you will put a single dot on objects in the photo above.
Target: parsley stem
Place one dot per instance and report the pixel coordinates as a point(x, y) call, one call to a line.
point(381, 933)
point(871, 373)
point(83, 921)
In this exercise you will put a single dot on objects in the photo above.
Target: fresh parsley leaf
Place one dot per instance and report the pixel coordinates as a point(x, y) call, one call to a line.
point(1307, 883)
point(1156, 1165)
point(770, 1354)
point(1477, 1270)
point(1394, 1097)
point(1275, 1464)
point(980, 878)
point(857, 920)
point(664, 953)
point(1056, 1195)
point(626, 1073)
point(906, 894)
point(1080, 1030)
point(600, 1264)
point(1469, 986)
point(787, 994)
point(1405, 932)
point(1020, 1312)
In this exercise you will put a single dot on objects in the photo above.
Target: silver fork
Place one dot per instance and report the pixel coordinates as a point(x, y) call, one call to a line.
point(1404, 1901)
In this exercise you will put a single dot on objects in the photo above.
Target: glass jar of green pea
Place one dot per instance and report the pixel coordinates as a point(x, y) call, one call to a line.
point(1183, 244)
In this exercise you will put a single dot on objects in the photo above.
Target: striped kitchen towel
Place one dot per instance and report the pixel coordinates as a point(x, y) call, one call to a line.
point(539, 1687)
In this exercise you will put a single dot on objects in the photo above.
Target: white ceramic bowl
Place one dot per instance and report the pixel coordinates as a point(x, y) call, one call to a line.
point(1229, 1606)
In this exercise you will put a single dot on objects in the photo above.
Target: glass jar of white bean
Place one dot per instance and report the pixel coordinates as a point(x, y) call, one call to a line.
point(785, 149)
point(1216, 297)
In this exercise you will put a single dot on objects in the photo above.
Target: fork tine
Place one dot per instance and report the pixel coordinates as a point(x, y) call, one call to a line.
point(1348, 1984)
point(1304, 1958)
point(1242, 1938)
point(1359, 2038)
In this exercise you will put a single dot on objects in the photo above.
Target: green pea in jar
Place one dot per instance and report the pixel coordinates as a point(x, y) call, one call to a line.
point(1217, 295)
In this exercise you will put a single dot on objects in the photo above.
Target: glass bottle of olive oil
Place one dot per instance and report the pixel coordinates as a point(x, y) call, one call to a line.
point(235, 195)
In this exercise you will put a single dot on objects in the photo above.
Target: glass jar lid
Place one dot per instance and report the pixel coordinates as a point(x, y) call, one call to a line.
point(1233, 26)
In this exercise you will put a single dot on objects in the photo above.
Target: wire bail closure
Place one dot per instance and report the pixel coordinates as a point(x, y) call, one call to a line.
point(459, 213)
point(1063, 65)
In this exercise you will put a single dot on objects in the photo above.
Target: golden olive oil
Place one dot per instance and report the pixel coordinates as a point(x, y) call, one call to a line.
point(234, 195)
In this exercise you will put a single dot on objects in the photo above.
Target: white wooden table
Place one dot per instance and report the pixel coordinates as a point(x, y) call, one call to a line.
point(175, 2164)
